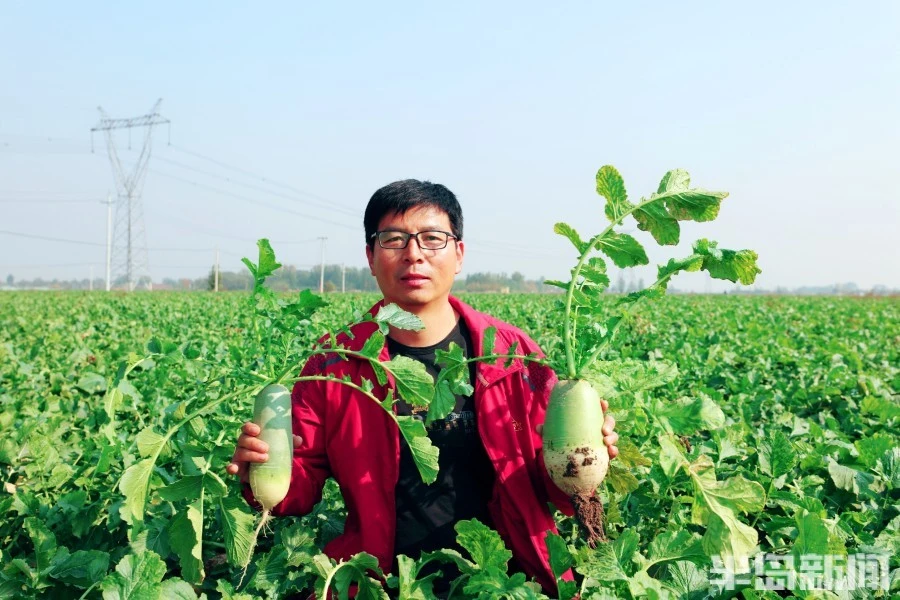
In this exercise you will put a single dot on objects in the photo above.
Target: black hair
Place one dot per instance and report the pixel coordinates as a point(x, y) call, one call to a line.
point(401, 196)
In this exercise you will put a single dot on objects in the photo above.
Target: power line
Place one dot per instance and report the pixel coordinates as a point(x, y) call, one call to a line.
point(49, 239)
point(258, 176)
point(84, 243)
point(254, 201)
point(321, 203)
point(45, 201)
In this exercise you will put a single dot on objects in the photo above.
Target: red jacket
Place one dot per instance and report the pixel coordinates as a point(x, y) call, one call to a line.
point(349, 437)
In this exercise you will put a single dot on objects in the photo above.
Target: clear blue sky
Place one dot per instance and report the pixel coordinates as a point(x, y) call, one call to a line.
point(792, 107)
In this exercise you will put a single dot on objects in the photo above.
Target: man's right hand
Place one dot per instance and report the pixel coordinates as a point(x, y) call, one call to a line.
point(250, 449)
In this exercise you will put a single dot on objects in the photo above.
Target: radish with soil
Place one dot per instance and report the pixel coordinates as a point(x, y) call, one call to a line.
point(574, 453)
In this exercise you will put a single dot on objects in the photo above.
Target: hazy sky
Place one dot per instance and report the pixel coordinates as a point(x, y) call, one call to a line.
point(285, 117)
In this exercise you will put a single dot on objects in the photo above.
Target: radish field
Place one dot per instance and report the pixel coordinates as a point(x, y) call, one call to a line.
point(760, 452)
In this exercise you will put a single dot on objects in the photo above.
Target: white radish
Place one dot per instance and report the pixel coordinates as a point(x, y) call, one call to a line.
point(271, 480)
point(574, 453)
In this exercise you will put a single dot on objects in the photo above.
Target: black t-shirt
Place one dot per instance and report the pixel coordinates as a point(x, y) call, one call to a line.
point(426, 513)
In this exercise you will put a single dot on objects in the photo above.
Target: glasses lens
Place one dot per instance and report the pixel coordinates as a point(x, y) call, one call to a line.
point(392, 239)
point(433, 240)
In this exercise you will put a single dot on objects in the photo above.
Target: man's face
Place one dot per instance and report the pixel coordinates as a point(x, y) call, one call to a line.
point(413, 278)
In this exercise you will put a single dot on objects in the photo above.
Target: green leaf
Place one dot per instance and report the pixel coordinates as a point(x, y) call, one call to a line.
point(186, 540)
point(628, 376)
point(691, 204)
point(410, 586)
point(601, 564)
point(44, 543)
point(183, 489)
point(671, 459)
point(414, 383)
point(354, 571)
point(555, 283)
point(561, 559)
point(777, 456)
point(424, 454)
point(237, 525)
point(267, 263)
point(136, 578)
point(306, 305)
point(453, 380)
point(686, 416)
point(443, 403)
point(872, 447)
point(81, 569)
point(850, 480)
point(373, 346)
point(394, 316)
point(676, 180)
point(134, 485)
point(889, 467)
point(673, 546)
point(251, 266)
point(594, 271)
point(149, 442)
point(611, 186)
point(154, 537)
point(625, 546)
point(690, 263)
point(624, 250)
point(717, 505)
point(177, 589)
point(812, 536)
point(494, 583)
point(482, 543)
point(656, 219)
point(487, 344)
point(92, 383)
point(213, 486)
point(570, 234)
point(621, 480)
point(228, 593)
point(727, 264)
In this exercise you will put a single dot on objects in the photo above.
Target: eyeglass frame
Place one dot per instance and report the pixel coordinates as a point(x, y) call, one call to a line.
point(416, 235)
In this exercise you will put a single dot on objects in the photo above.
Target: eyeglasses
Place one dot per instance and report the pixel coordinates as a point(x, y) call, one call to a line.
point(427, 240)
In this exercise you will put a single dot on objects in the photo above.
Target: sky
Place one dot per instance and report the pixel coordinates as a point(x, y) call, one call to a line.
point(286, 117)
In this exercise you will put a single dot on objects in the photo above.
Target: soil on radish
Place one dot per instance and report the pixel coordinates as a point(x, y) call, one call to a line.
point(589, 513)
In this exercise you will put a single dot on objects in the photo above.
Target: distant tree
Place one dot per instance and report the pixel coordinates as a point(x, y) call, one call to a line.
point(10, 279)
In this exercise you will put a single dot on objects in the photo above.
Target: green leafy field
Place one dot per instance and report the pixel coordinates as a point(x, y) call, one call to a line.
point(751, 426)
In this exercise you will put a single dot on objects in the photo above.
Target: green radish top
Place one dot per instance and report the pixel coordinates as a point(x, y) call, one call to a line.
point(584, 337)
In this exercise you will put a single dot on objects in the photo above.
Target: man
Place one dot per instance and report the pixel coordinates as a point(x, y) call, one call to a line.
point(490, 447)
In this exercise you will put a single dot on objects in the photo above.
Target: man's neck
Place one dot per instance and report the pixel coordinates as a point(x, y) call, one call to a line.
point(439, 321)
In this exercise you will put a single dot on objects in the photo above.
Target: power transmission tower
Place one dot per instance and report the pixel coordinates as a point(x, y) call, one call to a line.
point(129, 256)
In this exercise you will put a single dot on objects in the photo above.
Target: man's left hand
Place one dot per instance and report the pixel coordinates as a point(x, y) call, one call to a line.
point(610, 437)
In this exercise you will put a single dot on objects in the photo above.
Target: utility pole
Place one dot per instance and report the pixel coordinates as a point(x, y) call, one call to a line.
point(216, 285)
point(131, 246)
point(343, 278)
point(109, 205)
point(91, 281)
point(322, 268)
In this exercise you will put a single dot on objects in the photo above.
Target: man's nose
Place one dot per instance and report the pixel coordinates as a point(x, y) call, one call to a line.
point(413, 250)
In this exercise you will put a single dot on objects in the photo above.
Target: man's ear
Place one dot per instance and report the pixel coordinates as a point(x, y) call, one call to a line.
point(460, 251)
point(370, 256)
